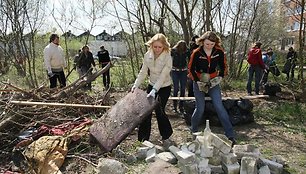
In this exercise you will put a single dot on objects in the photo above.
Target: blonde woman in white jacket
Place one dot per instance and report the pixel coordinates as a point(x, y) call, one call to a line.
point(157, 64)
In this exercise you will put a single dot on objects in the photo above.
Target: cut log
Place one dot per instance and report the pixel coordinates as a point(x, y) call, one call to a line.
point(121, 119)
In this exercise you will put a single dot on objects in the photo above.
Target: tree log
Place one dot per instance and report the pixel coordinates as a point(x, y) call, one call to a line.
point(122, 119)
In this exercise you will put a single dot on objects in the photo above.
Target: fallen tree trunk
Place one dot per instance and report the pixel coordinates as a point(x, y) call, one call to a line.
point(58, 104)
point(223, 98)
point(122, 119)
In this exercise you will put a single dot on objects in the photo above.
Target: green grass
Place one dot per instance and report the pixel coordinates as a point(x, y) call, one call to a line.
point(288, 114)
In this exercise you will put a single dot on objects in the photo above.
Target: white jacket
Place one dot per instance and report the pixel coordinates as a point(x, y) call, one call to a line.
point(159, 70)
point(54, 57)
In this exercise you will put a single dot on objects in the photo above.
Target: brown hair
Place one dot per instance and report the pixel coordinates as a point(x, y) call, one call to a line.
point(159, 37)
point(180, 46)
point(210, 35)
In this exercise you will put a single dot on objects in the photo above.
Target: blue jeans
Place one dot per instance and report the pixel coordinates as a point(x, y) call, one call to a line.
point(179, 79)
point(215, 95)
point(258, 74)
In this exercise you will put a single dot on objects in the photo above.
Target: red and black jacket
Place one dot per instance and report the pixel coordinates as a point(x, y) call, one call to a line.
point(200, 63)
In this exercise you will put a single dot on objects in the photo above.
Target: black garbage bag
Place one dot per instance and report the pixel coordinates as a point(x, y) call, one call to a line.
point(229, 103)
point(245, 105)
point(271, 89)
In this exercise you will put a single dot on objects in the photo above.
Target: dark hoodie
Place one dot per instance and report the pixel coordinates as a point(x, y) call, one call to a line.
point(255, 57)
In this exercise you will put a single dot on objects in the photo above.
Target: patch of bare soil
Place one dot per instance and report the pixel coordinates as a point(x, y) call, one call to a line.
point(271, 137)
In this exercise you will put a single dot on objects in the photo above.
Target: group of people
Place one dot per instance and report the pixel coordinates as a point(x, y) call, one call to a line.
point(200, 67)
point(206, 68)
point(55, 63)
point(261, 63)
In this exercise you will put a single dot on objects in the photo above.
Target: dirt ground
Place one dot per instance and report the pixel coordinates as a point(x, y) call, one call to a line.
point(271, 138)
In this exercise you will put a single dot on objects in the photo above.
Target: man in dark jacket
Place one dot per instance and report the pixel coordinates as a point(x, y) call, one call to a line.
point(104, 59)
point(256, 65)
point(84, 64)
point(290, 64)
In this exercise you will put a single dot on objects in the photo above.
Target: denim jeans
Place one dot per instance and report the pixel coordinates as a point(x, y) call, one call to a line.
point(258, 75)
point(179, 79)
point(215, 95)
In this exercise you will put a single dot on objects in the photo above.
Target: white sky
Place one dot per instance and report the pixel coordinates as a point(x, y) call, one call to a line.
point(107, 23)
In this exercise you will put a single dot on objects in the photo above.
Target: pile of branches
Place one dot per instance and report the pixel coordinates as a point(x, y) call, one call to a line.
point(69, 103)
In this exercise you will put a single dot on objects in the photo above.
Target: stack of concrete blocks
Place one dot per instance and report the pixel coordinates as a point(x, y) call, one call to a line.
point(216, 156)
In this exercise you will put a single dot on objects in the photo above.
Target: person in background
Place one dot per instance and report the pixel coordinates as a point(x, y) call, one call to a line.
point(54, 62)
point(192, 46)
point(256, 66)
point(86, 61)
point(104, 59)
point(76, 61)
point(291, 59)
point(269, 60)
point(180, 55)
point(207, 67)
point(158, 61)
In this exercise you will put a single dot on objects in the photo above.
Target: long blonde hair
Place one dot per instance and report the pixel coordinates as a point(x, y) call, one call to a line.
point(159, 37)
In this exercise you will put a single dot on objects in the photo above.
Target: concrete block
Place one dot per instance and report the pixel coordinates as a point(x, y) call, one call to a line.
point(188, 168)
point(216, 169)
point(147, 144)
point(142, 152)
point(279, 159)
point(151, 154)
point(220, 144)
point(246, 150)
point(231, 168)
point(275, 168)
point(248, 165)
point(230, 158)
point(174, 150)
point(186, 157)
point(203, 165)
point(168, 157)
point(194, 147)
point(206, 152)
point(264, 170)
point(159, 149)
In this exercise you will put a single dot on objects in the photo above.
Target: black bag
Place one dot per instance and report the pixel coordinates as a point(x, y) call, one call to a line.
point(271, 89)
point(274, 69)
point(287, 66)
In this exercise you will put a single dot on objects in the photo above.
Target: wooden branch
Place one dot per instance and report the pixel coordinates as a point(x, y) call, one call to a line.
point(59, 104)
point(21, 90)
point(69, 90)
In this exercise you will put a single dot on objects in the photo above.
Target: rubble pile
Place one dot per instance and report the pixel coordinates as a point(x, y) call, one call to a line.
point(213, 156)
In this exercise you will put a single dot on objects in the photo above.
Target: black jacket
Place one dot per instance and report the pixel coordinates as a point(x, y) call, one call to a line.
point(103, 56)
point(86, 60)
point(179, 61)
point(199, 63)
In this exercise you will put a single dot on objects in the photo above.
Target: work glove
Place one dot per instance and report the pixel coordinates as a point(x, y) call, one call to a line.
point(205, 77)
point(204, 87)
point(50, 74)
point(152, 93)
point(215, 81)
point(133, 88)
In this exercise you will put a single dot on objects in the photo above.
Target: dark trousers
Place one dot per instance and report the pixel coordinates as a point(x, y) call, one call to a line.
point(257, 70)
point(163, 122)
point(106, 77)
point(190, 87)
point(60, 76)
point(292, 72)
point(179, 79)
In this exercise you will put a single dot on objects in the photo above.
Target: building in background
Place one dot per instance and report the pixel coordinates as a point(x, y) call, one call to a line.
point(292, 12)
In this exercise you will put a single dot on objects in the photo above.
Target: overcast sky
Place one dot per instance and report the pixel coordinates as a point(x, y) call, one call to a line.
point(107, 23)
